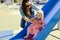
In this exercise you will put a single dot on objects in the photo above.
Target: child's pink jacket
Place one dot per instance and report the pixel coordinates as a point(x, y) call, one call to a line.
point(36, 27)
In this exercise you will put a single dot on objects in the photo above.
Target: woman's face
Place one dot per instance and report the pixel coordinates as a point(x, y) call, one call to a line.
point(28, 5)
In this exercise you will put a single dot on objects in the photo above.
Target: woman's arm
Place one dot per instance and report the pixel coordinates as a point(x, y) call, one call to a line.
point(29, 20)
point(21, 12)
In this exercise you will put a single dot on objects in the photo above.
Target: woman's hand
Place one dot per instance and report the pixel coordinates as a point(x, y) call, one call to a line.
point(27, 19)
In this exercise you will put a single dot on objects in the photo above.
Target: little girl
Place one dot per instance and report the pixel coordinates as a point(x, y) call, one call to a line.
point(35, 27)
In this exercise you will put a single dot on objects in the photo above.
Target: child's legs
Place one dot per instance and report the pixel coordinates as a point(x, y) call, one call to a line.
point(29, 30)
point(36, 32)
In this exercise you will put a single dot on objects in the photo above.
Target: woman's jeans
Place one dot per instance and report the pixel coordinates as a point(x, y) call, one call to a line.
point(22, 23)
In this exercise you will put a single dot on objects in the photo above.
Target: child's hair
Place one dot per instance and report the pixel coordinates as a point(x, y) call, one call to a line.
point(42, 13)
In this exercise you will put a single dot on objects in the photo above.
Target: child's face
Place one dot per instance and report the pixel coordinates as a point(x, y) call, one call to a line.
point(39, 15)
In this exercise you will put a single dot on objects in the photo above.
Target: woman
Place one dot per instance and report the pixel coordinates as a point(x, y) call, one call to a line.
point(27, 12)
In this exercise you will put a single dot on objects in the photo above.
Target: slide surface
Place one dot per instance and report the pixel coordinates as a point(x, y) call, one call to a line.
point(47, 13)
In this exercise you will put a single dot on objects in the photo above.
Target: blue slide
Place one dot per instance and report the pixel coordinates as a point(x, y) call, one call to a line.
point(51, 15)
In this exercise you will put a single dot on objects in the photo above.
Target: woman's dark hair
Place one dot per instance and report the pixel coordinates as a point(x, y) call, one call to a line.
point(24, 8)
